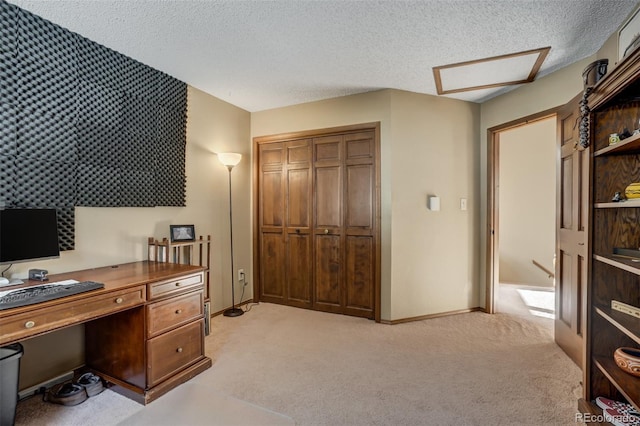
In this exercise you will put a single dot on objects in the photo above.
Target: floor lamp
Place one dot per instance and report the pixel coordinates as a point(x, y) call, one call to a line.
point(230, 159)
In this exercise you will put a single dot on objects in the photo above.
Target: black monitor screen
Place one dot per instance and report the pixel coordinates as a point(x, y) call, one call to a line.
point(28, 234)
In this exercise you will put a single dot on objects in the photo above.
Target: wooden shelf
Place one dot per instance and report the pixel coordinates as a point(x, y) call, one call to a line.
point(630, 144)
point(625, 263)
point(183, 243)
point(625, 323)
point(626, 384)
point(196, 252)
point(619, 205)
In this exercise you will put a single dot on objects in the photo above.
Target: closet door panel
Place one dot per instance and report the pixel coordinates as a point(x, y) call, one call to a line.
point(328, 211)
point(360, 147)
point(327, 149)
point(328, 271)
point(272, 266)
point(360, 262)
point(359, 197)
point(298, 198)
point(300, 268)
point(272, 199)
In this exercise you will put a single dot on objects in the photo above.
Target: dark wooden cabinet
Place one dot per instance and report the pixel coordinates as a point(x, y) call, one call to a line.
point(615, 106)
point(317, 201)
point(148, 350)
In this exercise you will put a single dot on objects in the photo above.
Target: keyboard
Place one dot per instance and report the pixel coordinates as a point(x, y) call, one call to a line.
point(41, 293)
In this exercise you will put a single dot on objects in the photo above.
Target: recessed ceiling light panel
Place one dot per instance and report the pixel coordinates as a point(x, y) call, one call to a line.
point(504, 70)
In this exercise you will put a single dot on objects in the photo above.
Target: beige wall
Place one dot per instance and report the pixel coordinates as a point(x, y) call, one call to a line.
point(106, 236)
point(428, 144)
point(434, 256)
point(527, 198)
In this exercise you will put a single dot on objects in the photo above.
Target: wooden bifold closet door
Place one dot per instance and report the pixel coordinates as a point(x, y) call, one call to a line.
point(317, 230)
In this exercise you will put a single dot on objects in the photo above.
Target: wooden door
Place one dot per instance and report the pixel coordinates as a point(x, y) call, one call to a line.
point(299, 254)
point(317, 240)
point(285, 222)
point(271, 232)
point(344, 231)
point(328, 229)
point(359, 224)
point(571, 233)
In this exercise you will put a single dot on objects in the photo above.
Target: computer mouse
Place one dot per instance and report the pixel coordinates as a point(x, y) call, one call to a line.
point(4, 281)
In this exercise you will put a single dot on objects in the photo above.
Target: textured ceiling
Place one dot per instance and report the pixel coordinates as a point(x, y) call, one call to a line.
point(265, 54)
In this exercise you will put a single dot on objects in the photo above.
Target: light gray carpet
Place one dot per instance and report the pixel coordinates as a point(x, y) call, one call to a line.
point(199, 404)
point(323, 369)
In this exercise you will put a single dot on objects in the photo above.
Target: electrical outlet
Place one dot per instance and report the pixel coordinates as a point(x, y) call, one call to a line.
point(240, 275)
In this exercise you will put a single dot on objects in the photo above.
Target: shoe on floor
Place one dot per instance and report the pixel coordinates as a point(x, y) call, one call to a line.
point(91, 383)
point(66, 394)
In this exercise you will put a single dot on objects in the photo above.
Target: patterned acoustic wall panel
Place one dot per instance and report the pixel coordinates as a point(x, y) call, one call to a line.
point(83, 125)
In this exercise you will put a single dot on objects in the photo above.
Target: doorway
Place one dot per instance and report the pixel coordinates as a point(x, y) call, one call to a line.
point(521, 217)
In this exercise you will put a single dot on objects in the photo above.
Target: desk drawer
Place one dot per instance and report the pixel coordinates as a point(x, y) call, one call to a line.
point(173, 351)
point(42, 320)
point(176, 285)
point(170, 313)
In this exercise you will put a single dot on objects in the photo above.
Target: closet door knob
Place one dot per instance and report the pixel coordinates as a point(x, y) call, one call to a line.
point(326, 231)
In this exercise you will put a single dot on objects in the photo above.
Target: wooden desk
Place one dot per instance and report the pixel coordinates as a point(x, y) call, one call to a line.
point(144, 330)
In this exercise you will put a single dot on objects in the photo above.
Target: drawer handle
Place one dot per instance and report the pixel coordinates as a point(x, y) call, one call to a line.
point(178, 284)
point(326, 231)
point(179, 350)
point(29, 324)
point(178, 311)
point(119, 300)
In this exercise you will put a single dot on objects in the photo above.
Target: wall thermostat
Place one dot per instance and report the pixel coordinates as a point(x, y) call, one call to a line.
point(433, 203)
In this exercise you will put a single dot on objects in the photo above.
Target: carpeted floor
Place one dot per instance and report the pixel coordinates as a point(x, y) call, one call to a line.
point(322, 369)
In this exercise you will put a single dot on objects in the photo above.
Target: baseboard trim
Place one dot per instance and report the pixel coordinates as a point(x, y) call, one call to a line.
point(246, 302)
point(35, 389)
point(431, 316)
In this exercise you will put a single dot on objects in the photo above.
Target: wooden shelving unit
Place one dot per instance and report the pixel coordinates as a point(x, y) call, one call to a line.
point(630, 144)
point(197, 252)
point(615, 105)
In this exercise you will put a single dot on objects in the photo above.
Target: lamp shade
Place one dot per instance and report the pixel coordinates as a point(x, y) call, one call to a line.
point(229, 158)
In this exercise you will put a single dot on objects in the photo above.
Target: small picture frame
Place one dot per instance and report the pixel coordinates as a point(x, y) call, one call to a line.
point(181, 233)
point(628, 35)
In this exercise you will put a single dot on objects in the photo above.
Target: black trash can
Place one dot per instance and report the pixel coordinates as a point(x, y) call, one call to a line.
point(9, 372)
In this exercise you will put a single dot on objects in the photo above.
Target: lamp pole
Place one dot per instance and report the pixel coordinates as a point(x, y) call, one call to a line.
point(233, 311)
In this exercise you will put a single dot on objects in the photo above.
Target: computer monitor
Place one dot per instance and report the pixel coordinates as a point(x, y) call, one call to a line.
point(28, 234)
